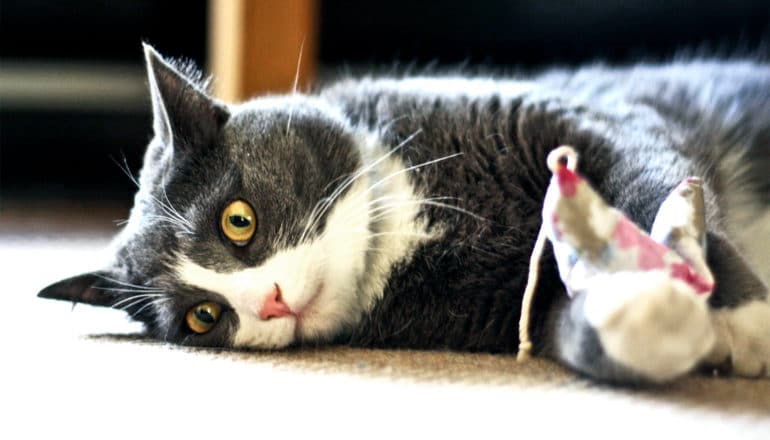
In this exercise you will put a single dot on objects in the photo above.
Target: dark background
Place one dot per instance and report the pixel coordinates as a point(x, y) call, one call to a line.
point(71, 150)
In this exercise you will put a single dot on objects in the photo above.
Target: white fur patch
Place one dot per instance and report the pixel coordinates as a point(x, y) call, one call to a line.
point(743, 337)
point(394, 204)
point(649, 323)
point(331, 281)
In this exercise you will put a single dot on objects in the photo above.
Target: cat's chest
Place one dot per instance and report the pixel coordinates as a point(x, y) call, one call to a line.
point(459, 285)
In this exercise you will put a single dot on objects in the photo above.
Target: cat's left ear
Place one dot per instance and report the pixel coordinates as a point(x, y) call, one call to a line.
point(94, 288)
point(184, 116)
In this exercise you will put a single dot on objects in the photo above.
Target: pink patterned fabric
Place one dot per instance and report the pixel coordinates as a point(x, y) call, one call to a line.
point(589, 237)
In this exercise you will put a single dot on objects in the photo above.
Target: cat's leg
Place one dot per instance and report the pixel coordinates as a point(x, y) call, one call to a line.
point(740, 311)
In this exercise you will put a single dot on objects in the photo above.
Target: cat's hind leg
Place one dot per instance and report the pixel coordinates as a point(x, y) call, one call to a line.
point(743, 340)
point(740, 311)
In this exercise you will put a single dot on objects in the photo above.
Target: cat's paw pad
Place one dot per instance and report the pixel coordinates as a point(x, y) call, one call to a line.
point(743, 340)
point(649, 324)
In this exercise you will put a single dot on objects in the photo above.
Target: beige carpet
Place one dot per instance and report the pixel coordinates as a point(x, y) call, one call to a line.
point(68, 373)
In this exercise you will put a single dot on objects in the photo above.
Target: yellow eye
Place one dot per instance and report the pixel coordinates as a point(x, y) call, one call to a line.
point(238, 222)
point(202, 317)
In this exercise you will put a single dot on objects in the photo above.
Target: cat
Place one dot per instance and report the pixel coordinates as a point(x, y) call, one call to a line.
point(401, 212)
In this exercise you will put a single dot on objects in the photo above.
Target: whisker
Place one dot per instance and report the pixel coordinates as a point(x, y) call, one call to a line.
point(154, 302)
point(170, 214)
point(400, 233)
point(412, 168)
point(170, 220)
point(323, 205)
point(405, 198)
point(174, 210)
point(343, 176)
point(127, 290)
point(126, 169)
point(456, 208)
point(127, 306)
point(299, 63)
point(134, 298)
point(408, 169)
point(294, 86)
point(387, 207)
point(125, 283)
point(384, 209)
point(389, 123)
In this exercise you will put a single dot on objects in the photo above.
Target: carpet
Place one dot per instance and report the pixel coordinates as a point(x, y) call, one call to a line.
point(86, 372)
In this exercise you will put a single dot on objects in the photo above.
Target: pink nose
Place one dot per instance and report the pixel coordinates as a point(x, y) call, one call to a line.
point(274, 307)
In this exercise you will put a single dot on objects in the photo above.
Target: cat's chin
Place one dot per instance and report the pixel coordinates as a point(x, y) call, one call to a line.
point(252, 334)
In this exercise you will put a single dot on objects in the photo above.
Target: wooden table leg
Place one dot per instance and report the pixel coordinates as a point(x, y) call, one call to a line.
point(255, 45)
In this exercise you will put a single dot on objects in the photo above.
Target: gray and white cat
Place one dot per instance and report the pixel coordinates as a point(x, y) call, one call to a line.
point(402, 213)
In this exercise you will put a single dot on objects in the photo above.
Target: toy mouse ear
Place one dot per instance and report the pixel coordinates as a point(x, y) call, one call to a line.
point(92, 288)
point(680, 224)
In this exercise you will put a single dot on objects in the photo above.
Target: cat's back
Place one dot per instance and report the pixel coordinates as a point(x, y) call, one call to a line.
point(716, 110)
point(713, 87)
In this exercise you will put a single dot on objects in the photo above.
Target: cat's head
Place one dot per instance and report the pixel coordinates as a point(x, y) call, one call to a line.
point(248, 228)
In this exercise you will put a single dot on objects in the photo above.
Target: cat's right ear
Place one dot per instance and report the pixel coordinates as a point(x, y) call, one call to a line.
point(184, 116)
point(94, 288)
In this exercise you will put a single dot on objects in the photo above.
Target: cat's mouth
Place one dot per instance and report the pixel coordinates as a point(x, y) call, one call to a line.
point(306, 312)
point(308, 308)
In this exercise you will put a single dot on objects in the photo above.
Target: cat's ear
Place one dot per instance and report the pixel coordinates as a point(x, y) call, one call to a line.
point(95, 288)
point(183, 115)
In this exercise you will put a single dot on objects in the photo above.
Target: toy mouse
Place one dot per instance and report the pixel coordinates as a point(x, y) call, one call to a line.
point(599, 250)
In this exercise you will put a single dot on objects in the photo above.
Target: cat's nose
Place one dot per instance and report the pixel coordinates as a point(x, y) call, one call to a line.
point(273, 306)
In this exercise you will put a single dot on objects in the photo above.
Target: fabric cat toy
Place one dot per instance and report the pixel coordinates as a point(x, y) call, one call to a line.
point(596, 246)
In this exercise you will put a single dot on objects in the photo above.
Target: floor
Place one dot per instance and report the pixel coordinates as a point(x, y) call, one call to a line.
point(84, 372)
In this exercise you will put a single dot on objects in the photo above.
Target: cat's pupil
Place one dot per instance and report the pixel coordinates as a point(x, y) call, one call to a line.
point(204, 315)
point(239, 221)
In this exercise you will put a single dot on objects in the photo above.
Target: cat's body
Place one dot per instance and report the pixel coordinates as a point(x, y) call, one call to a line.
point(402, 213)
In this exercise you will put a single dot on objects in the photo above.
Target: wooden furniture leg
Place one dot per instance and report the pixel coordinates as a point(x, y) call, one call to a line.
point(261, 46)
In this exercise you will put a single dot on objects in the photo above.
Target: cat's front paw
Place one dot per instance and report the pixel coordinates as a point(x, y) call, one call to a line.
point(645, 322)
point(743, 340)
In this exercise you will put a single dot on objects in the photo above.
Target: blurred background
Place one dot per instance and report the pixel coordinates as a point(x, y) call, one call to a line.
point(73, 99)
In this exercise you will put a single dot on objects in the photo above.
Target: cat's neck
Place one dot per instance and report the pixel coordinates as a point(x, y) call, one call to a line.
point(393, 206)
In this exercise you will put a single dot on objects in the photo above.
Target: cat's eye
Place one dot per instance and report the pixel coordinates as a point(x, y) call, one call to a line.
point(238, 222)
point(202, 317)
